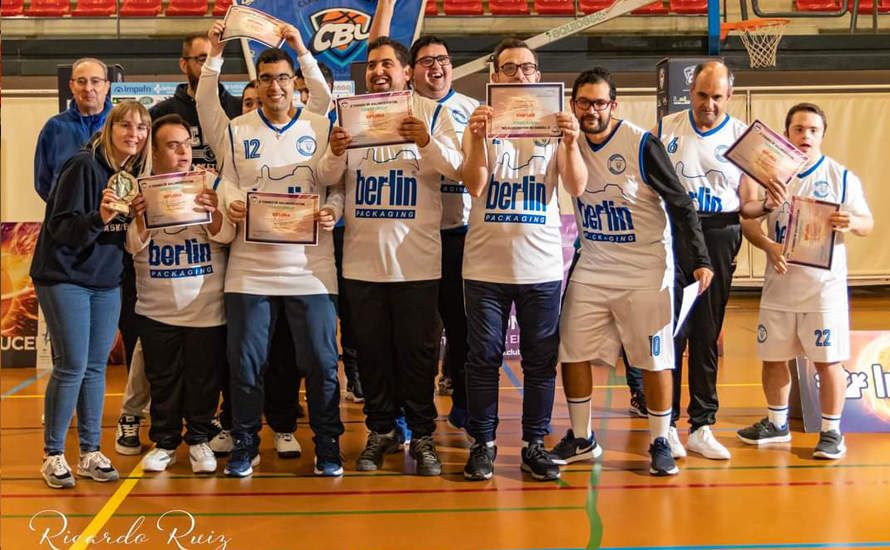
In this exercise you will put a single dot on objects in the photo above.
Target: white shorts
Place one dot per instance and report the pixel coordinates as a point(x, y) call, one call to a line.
point(596, 321)
point(824, 337)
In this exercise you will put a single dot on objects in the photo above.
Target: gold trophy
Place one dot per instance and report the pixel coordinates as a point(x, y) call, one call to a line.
point(125, 188)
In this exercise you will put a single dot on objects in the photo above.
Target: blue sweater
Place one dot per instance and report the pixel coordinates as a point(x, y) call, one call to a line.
point(62, 136)
point(74, 245)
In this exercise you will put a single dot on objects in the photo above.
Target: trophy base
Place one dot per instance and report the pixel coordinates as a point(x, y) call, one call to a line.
point(120, 207)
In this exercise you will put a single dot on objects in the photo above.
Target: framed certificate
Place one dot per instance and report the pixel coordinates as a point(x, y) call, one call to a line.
point(244, 22)
point(278, 218)
point(170, 199)
point(762, 153)
point(374, 119)
point(810, 237)
point(525, 110)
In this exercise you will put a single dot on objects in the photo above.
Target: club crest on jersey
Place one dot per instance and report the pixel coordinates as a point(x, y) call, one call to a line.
point(673, 145)
point(340, 31)
point(617, 164)
point(718, 153)
point(761, 334)
point(821, 189)
point(307, 145)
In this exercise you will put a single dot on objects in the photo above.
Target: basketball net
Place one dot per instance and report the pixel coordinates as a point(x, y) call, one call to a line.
point(761, 39)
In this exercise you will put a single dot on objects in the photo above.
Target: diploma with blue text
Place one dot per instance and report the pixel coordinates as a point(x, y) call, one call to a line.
point(810, 238)
point(280, 218)
point(170, 199)
point(525, 110)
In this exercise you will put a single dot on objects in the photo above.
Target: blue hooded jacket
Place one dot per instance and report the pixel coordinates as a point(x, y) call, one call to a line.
point(61, 137)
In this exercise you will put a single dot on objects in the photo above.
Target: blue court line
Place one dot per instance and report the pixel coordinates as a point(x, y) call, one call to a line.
point(25, 383)
point(513, 378)
point(783, 546)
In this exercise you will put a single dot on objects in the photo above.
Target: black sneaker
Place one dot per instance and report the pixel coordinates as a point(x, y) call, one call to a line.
point(127, 436)
point(423, 451)
point(764, 432)
point(538, 462)
point(378, 445)
point(830, 446)
point(573, 449)
point(480, 464)
point(662, 459)
point(354, 390)
point(638, 404)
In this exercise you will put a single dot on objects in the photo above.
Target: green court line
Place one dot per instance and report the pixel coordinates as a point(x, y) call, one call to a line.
point(330, 512)
point(593, 516)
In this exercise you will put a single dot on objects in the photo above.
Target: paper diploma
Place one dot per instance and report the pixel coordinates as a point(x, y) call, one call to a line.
point(690, 293)
point(244, 22)
point(278, 218)
point(170, 199)
point(810, 238)
point(764, 154)
point(525, 110)
point(374, 119)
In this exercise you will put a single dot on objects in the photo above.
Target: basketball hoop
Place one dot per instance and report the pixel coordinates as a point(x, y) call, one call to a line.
point(760, 37)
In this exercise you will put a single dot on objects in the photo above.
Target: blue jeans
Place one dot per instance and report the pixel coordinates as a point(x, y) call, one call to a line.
point(82, 325)
point(488, 313)
point(313, 326)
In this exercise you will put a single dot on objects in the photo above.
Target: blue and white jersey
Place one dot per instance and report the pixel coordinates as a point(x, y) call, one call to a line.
point(180, 274)
point(514, 234)
point(271, 159)
point(456, 200)
point(622, 222)
point(393, 202)
point(806, 289)
point(710, 179)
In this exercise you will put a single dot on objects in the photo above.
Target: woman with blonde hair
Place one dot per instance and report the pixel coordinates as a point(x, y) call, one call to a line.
point(77, 275)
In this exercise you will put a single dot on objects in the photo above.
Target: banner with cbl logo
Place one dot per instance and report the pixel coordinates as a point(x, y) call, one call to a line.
point(336, 31)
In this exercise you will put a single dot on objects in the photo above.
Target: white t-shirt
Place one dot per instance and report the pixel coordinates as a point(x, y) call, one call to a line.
point(622, 223)
point(514, 234)
point(805, 289)
point(456, 200)
point(180, 273)
point(269, 159)
point(710, 179)
point(393, 207)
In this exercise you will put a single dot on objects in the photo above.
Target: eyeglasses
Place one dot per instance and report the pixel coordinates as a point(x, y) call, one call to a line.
point(282, 79)
point(597, 104)
point(428, 60)
point(179, 145)
point(82, 82)
point(510, 69)
point(141, 128)
point(199, 58)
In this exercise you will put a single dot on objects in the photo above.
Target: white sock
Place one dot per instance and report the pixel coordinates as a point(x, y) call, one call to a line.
point(659, 423)
point(831, 422)
point(579, 414)
point(778, 415)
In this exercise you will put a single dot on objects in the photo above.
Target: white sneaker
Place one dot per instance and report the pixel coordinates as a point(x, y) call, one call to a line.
point(287, 445)
point(703, 442)
point(223, 443)
point(97, 466)
point(56, 472)
point(202, 459)
point(677, 450)
point(157, 460)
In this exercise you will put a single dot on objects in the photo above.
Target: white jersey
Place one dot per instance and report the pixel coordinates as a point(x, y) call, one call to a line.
point(456, 200)
point(269, 159)
point(393, 207)
point(804, 289)
point(514, 234)
point(622, 222)
point(180, 273)
point(710, 179)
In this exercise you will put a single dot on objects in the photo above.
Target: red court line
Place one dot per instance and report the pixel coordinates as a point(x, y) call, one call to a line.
point(544, 488)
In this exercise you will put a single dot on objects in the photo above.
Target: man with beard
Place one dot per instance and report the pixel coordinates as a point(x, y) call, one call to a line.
point(621, 291)
point(392, 259)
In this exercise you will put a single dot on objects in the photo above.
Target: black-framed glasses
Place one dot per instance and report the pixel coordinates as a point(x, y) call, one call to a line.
point(428, 60)
point(200, 59)
point(598, 104)
point(510, 69)
point(282, 79)
point(83, 81)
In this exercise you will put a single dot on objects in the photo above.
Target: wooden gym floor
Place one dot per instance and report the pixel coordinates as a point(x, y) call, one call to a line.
point(771, 498)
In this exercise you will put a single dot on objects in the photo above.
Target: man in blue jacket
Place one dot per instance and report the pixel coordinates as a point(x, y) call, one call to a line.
point(65, 133)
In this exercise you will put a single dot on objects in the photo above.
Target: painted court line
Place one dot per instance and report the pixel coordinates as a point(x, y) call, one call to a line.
point(108, 510)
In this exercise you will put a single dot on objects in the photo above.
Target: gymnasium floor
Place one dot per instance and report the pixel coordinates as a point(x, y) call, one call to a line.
point(772, 498)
